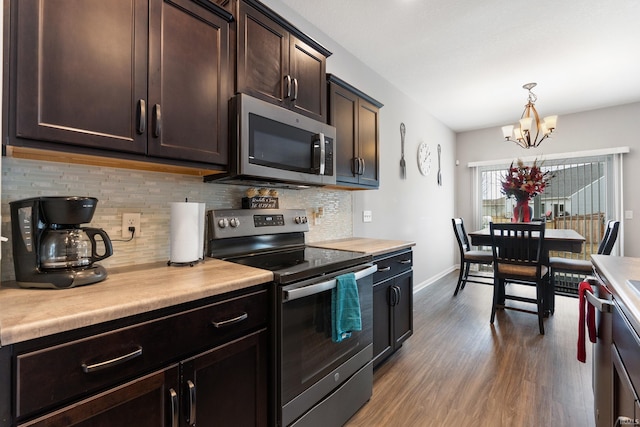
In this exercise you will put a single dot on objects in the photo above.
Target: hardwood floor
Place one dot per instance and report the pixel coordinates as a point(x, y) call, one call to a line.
point(459, 370)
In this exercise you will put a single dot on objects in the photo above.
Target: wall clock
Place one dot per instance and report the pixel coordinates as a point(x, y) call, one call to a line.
point(424, 158)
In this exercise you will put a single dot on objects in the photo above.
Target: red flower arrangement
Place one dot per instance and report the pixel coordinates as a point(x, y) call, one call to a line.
point(524, 182)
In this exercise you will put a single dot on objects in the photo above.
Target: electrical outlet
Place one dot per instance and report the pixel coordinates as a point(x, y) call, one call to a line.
point(130, 220)
point(367, 216)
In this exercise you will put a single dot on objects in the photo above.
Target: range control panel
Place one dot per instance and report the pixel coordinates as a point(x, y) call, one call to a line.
point(225, 223)
point(268, 220)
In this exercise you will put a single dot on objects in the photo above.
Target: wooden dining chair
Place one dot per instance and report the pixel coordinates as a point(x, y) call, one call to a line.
point(518, 258)
point(583, 266)
point(468, 257)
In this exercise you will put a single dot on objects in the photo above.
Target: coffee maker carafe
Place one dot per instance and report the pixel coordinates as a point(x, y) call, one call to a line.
point(51, 249)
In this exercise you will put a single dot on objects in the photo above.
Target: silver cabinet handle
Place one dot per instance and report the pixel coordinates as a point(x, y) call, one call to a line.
point(287, 80)
point(157, 120)
point(306, 291)
point(173, 396)
point(384, 268)
point(111, 362)
point(141, 117)
point(405, 261)
point(228, 322)
point(295, 89)
point(191, 392)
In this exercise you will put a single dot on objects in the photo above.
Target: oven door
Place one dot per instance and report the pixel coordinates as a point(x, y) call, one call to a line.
point(602, 370)
point(311, 364)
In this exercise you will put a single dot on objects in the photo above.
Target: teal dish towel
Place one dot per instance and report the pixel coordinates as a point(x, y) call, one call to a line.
point(345, 308)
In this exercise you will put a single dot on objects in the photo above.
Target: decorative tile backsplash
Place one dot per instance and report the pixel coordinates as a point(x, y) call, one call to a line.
point(150, 193)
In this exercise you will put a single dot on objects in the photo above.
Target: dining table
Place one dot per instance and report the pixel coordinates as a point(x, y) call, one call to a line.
point(555, 239)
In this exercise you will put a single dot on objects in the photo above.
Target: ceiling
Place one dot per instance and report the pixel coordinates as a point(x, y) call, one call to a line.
point(466, 60)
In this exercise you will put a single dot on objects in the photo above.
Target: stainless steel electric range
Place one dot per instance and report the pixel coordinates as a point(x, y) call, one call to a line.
point(315, 381)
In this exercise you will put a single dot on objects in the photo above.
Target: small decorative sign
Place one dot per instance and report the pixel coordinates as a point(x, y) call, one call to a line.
point(260, 202)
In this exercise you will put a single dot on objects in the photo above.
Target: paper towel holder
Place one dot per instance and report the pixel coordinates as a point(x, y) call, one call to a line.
point(187, 232)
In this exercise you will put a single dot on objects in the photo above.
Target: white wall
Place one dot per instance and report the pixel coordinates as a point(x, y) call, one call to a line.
point(590, 130)
point(414, 209)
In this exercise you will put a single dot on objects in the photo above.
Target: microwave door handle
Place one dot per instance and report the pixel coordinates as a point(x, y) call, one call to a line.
point(315, 155)
point(322, 153)
point(327, 285)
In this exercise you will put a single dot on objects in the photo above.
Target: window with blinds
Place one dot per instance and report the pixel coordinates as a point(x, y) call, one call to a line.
point(579, 197)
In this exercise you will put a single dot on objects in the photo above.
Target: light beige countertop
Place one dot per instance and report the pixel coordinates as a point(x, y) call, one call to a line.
point(617, 270)
point(33, 313)
point(367, 245)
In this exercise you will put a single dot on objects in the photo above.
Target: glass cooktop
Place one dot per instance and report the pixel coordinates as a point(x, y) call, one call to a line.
point(294, 264)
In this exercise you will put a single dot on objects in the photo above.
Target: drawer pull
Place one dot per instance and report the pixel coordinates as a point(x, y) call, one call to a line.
point(405, 261)
point(384, 269)
point(174, 407)
point(87, 369)
point(229, 322)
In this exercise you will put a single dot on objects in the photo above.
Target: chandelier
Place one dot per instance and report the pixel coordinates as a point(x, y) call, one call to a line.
point(530, 131)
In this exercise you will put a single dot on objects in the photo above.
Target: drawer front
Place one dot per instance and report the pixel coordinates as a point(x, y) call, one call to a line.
point(390, 265)
point(627, 343)
point(47, 377)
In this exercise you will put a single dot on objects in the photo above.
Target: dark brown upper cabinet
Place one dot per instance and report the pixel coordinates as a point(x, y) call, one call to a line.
point(356, 117)
point(278, 63)
point(147, 77)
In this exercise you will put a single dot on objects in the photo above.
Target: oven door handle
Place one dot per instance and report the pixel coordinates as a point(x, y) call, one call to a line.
point(316, 288)
point(602, 305)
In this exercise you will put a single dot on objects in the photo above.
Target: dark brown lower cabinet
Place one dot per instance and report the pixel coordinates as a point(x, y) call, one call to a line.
point(227, 386)
point(150, 401)
point(392, 304)
point(205, 365)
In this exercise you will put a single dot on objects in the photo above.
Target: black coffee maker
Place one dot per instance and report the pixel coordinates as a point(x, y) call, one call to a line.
point(50, 249)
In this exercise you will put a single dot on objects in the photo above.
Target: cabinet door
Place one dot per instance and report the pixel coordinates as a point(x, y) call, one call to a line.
point(227, 386)
point(150, 401)
point(403, 308)
point(308, 71)
point(343, 115)
point(368, 115)
point(382, 339)
point(188, 82)
point(262, 56)
point(81, 72)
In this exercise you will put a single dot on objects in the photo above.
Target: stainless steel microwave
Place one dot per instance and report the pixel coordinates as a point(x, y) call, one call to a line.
point(271, 145)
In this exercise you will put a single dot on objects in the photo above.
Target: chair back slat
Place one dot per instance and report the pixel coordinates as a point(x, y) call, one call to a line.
point(461, 234)
point(609, 238)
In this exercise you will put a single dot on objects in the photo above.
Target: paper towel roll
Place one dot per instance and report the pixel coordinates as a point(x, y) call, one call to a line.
point(186, 232)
